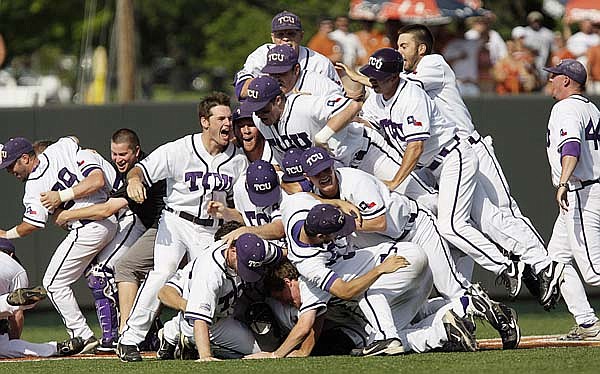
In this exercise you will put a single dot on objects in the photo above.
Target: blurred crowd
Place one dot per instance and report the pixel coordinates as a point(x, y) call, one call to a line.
point(484, 62)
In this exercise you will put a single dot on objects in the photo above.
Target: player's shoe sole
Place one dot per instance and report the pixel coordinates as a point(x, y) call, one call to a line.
point(69, 347)
point(457, 333)
point(26, 296)
point(388, 347)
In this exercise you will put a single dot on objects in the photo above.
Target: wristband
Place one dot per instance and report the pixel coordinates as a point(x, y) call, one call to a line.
point(66, 195)
point(565, 185)
point(12, 233)
point(323, 136)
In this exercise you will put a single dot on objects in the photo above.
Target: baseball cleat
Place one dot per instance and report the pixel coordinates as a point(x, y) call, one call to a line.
point(128, 353)
point(583, 332)
point(457, 333)
point(69, 347)
point(480, 305)
point(387, 347)
point(511, 278)
point(166, 350)
point(531, 281)
point(26, 296)
point(550, 279)
point(90, 345)
point(185, 349)
point(510, 332)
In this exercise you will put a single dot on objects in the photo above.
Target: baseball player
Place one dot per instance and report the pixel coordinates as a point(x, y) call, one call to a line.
point(249, 138)
point(80, 182)
point(510, 227)
point(133, 223)
point(198, 168)
point(14, 298)
point(282, 64)
point(286, 28)
point(572, 145)
point(206, 291)
point(302, 121)
point(398, 218)
point(415, 127)
point(293, 179)
point(430, 329)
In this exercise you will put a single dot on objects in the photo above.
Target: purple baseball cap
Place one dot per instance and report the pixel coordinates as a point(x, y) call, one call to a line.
point(571, 68)
point(328, 219)
point(383, 63)
point(262, 184)
point(260, 92)
point(251, 254)
point(314, 160)
point(239, 114)
point(286, 21)
point(7, 245)
point(292, 166)
point(280, 59)
point(13, 149)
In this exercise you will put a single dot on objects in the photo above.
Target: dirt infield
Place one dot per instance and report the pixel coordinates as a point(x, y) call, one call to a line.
point(527, 342)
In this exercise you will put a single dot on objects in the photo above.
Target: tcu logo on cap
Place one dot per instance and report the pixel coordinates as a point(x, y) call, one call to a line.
point(254, 264)
point(286, 19)
point(314, 158)
point(376, 62)
point(253, 94)
point(4, 154)
point(276, 57)
point(294, 169)
point(262, 186)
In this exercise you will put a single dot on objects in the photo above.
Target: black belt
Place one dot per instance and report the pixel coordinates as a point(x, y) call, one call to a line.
point(443, 153)
point(590, 182)
point(193, 219)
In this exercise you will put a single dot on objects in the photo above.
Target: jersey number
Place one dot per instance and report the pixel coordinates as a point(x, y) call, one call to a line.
point(593, 134)
point(66, 179)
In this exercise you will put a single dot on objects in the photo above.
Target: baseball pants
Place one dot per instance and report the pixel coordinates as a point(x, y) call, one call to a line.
point(175, 238)
point(576, 236)
point(16, 348)
point(67, 265)
point(457, 178)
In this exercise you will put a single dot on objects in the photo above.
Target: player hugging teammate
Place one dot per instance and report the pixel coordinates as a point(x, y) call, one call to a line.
point(307, 217)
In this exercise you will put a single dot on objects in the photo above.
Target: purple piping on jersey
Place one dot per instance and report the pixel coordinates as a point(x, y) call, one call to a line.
point(296, 234)
point(238, 88)
point(570, 149)
point(89, 170)
point(330, 282)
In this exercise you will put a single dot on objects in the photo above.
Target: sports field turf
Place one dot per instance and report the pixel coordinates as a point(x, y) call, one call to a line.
point(533, 321)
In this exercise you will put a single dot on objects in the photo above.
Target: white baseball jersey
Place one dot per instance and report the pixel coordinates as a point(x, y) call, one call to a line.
point(267, 154)
point(12, 274)
point(302, 118)
point(213, 288)
point(314, 84)
point(307, 58)
point(410, 115)
point(574, 119)
point(253, 215)
point(373, 199)
point(436, 77)
point(194, 177)
point(62, 165)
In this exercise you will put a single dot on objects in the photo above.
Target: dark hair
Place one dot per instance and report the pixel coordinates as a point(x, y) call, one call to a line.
point(226, 228)
point(40, 146)
point(126, 136)
point(212, 100)
point(421, 33)
point(275, 276)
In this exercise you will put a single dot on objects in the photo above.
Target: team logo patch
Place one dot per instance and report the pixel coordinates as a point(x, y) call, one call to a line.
point(333, 102)
point(364, 205)
point(563, 132)
point(79, 163)
point(29, 210)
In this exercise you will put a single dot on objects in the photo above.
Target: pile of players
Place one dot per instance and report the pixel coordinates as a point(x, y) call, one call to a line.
point(312, 220)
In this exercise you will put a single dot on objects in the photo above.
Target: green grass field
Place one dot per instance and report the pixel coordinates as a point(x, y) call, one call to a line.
point(44, 326)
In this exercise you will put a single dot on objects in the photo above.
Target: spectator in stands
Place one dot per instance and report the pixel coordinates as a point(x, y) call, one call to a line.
point(463, 57)
point(580, 42)
point(559, 52)
point(593, 69)
point(516, 73)
point(353, 53)
point(539, 40)
point(493, 42)
point(322, 43)
point(372, 38)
